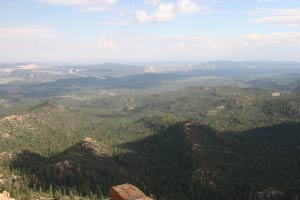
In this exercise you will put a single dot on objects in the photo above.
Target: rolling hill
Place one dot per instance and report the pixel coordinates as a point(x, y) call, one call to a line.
point(37, 124)
point(192, 143)
point(184, 161)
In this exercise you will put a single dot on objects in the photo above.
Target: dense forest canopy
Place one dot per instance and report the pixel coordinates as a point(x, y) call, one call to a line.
point(77, 137)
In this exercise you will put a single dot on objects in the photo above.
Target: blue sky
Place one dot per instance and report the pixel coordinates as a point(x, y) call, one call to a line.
point(158, 30)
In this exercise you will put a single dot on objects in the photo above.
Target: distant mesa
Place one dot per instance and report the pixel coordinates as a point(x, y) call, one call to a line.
point(152, 69)
point(75, 71)
point(276, 94)
point(9, 70)
point(127, 192)
point(190, 66)
point(28, 67)
point(6, 70)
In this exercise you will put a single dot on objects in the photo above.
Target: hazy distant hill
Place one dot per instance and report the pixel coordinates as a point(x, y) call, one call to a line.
point(115, 68)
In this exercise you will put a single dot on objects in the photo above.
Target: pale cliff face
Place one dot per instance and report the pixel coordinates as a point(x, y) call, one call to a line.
point(8, 70)
point(29, 66)
point(151, 69)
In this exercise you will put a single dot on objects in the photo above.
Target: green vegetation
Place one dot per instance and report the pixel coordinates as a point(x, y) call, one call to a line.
point(72, 132)
point(194, 143)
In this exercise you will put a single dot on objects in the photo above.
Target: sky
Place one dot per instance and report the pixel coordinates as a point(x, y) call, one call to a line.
point(148, 30)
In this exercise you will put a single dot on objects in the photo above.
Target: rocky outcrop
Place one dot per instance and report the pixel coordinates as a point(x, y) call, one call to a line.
point(270, 194)
point(127, 192)
point(5, 196)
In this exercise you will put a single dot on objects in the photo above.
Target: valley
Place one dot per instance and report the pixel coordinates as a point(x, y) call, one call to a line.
point(187, 135)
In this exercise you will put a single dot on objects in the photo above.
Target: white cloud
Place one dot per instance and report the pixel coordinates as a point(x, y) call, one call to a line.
point(103, 42)
point(114, 23)
point(268, 0)
point(64, 2)
point(275, 40)
point(27, 32)
point(83, 5)
point(164, 12)
point(167, 11)
point(19, 42)
point(273, 46)
point(44, 43)
point(152, 2)
point(180, 45)
point(187, 6)
point(285, 17)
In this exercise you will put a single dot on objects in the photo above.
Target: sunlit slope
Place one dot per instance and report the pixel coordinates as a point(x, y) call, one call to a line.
point(45, 127)
point(224, 108)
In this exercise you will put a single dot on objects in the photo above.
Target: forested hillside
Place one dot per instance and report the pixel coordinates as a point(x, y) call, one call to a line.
point(149, 100)
point(193, 143)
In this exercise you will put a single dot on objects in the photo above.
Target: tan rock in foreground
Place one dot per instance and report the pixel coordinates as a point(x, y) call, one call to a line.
point(127, 192)
point(5, 196)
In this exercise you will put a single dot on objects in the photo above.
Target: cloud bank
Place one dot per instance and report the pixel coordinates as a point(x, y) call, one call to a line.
point(44, 43)
point(83, 5)
point(167, 11)
point(284, 17)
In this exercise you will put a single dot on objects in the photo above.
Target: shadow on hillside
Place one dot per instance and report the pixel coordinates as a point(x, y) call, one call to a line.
point(169, 166)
